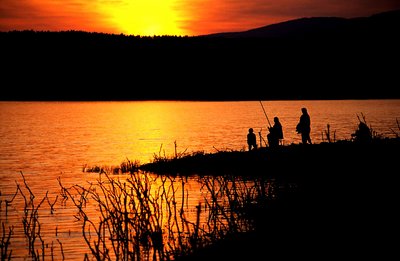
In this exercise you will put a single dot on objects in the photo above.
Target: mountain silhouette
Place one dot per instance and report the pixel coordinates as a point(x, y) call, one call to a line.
point(306, 58)
point(302, 27)
point(313, 27)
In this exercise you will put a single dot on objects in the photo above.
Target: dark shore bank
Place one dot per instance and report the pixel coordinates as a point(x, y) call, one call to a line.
point(295, 160)
point(337, 201)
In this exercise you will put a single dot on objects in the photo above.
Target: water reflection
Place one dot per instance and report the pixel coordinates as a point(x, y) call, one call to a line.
point(138, 216)
point(51, 141)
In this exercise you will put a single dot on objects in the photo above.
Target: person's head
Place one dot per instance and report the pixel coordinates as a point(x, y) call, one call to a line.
point(304, 110)
point(251, 130)
point(276, 119)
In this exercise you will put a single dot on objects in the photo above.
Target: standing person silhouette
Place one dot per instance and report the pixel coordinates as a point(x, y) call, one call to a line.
point(304, 126)
point(275, 133)
point(251, 140)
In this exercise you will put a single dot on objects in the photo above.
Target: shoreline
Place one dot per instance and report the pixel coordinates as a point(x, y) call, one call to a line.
point(342, 206)
point(286, 158)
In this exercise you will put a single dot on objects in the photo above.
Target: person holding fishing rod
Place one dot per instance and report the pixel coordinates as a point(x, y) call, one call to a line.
point(275, 132)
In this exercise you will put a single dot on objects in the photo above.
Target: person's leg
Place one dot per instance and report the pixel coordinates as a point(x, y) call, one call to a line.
point(304, 138)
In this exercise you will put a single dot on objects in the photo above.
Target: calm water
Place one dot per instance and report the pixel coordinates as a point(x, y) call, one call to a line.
point(47, 140)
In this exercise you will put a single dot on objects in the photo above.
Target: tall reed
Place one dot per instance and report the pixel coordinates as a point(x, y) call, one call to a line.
point(138, 216)
point(30, 222)
point(147, 217)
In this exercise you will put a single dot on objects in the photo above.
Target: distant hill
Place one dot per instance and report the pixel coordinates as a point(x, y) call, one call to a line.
point(302, 27)
point(312, 27)
point(306, 58)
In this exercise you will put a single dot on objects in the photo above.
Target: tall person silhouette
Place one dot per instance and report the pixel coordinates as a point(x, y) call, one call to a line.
point(304, 126)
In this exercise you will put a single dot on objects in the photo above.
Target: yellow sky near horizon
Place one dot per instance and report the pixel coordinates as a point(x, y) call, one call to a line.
point(173, 17)
point(150, 17)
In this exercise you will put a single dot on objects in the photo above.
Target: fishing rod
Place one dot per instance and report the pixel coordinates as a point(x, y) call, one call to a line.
point(262, 139)
point(265, 113)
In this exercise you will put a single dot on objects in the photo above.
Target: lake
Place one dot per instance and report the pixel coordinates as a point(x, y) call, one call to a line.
point(50, 140)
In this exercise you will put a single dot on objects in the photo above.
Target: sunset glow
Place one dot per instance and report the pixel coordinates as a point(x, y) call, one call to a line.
point(151, 17)
point(173, 17)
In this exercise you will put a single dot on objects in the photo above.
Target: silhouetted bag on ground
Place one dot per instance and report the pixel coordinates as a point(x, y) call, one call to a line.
point(298, 128)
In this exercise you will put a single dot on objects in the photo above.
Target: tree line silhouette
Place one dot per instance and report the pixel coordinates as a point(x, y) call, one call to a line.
point(354, 59)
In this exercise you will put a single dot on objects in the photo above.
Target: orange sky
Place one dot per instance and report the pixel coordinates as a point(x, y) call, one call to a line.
point(173, 17)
